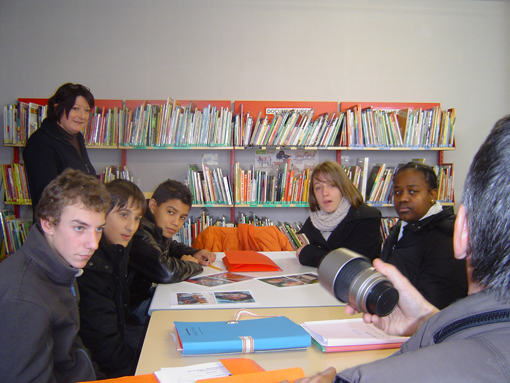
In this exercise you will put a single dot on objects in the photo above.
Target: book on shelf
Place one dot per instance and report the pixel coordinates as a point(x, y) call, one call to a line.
point(15, 183)
point(349, 335)
point(416, 125)
point(260, 334)
point(209, 185)
point(114, 172)
point(290, 230)
point(14, 231)
point(386, 224)
point(444, 174)
point(262, 187)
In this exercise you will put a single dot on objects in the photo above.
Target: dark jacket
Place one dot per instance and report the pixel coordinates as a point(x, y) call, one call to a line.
point(424, 255)
point(39, 317)
point(156, 259)
point(359, 231)
point(47, 154)
point(467, 342)
point(104, 311)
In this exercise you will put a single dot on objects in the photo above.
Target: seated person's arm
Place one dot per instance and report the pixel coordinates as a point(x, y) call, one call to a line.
point(205, 257)
point(412, 309)
point(147, 257)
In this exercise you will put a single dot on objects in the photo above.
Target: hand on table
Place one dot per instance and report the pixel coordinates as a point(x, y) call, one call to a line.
point(412, 308)
point(205, 257)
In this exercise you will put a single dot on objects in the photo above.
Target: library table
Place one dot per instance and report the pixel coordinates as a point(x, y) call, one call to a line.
point(159, 349)
point(265, 295)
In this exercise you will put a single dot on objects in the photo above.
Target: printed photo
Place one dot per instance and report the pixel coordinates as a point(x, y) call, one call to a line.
point(234, 297)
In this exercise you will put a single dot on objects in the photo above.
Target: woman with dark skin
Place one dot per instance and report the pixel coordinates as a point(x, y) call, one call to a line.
point(420, 245)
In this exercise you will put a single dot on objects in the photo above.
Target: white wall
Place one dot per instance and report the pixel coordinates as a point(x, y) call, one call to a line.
point(455, 52)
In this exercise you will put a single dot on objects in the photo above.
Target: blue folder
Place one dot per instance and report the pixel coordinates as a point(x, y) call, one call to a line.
point(268, 334)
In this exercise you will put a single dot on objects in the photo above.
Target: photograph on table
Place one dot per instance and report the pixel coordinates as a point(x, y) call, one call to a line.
point(218, 279)
point(291, 280)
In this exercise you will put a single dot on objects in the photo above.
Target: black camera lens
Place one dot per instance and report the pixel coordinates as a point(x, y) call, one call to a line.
point(351, 279)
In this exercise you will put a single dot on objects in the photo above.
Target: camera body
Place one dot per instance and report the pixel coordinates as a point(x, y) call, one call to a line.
point(351, 278)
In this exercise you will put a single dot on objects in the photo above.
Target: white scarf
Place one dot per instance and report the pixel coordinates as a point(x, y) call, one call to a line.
point(329, 221)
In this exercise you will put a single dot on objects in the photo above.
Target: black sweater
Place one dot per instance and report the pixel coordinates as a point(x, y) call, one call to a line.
point(47, 154)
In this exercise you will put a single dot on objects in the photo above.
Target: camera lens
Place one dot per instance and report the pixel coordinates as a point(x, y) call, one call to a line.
point(351, 279)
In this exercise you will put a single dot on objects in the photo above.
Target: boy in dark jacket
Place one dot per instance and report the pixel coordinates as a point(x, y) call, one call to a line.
point(114, 343)
point(38, 293)
point(154, 256)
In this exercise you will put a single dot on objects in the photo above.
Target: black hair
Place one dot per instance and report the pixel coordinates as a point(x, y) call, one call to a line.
point(486, 199)
point(64, 99)
point(124, 193)
point(172, 189)
point(427, 171)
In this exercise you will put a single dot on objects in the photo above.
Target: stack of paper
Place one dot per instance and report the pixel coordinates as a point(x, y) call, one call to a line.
point(349, 335)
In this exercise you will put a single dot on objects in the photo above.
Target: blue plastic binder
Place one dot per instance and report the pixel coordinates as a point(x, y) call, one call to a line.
point(265, 334)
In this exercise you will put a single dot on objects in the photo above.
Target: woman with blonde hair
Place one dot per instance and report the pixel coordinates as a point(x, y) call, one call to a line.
point(338, 218)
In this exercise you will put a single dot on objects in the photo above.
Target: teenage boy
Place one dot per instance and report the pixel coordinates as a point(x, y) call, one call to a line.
point(154, 256)
point(114, 344)
point(469, 341)
point(39, 318)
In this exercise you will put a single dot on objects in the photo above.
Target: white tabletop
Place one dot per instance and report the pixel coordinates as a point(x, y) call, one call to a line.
point(266, 295)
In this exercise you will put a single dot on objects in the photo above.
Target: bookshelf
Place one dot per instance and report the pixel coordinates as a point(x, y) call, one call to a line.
point(240, 133)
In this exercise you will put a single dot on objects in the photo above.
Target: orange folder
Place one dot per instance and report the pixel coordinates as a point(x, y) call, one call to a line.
point(248, 261)
point(243, 370)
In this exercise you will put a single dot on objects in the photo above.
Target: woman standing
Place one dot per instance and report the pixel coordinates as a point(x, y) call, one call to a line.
point(58, 144)
point(420, 245)
point(338, 218)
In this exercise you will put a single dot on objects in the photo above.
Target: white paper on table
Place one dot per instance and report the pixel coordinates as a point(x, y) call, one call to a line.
point(190, 374)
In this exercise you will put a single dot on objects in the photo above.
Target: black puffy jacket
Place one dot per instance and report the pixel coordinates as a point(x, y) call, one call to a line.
point(424, 255)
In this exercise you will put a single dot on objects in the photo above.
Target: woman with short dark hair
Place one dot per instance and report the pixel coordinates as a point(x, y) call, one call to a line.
point(59, 144)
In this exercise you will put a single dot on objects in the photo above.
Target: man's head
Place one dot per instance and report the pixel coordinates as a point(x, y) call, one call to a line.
point(71, 213)
point(170, 205)
point(127, 208)
point(482, 228)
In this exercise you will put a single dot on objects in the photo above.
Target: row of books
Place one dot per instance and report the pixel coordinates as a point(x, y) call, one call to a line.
point(15, 183)
point(172, 125)
point(208, 186)
point(168, 124)
point(380, 183)
point(193, 227)
point(386, 224)
point(113, 172)
point(288, 127)
point(21, 120)
point(291, 232)
point(408, 127)
point(14, 231)
point(286, 186)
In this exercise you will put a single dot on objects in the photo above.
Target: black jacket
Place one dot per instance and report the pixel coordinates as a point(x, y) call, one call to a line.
point(359, 231)
point(47, 154)
point(156, 259)
point(104, 311)
point(424, 255)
